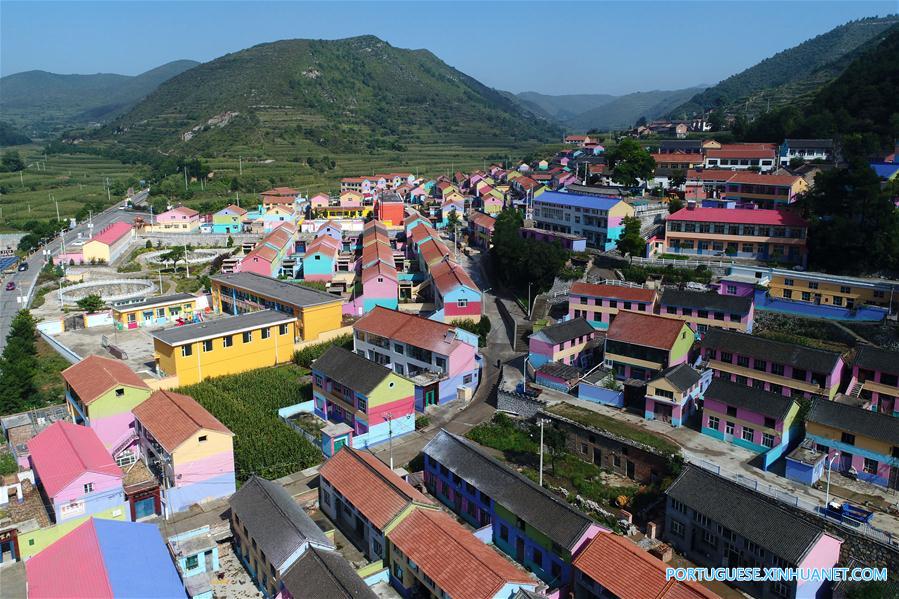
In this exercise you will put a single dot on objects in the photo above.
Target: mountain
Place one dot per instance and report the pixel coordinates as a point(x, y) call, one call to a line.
point(562, 108)
point(779, 80)
point(10, 136)
point(625, 110)
point(341, 96)
point(44, 103)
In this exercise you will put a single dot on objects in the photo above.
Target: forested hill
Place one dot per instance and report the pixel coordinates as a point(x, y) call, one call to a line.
point(340, 95)
point(777, 81)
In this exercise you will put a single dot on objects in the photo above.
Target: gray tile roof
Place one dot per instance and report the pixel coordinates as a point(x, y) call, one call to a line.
point(274, 520)
point(858, 421)
point(550, 515)
point(682, 376)
point(562, 371)
point(773, 405)
point(566, 331)
point(282, 291)
point(351, 370)
point(706, 300)
point(323, 574)
point(746, 512)
point(817, 360)
point(156, 301)
point(874, 358)
point(222, 326)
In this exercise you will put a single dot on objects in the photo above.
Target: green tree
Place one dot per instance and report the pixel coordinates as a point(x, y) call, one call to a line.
point(674, 204)
point(631, 242)
point(91, 303)
point(230, 242)
point(12, 162)
point(630, 162)
point(519, 261)
point(553, 441)
point(678, 178)
point(175, 255)
point(18, 365)
point(716, 120)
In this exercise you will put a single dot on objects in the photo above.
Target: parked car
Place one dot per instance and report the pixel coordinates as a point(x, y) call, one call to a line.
point(23, 266)
point(11, 286)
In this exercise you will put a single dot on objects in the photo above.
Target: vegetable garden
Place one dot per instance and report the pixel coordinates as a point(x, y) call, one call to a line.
point(248, 404)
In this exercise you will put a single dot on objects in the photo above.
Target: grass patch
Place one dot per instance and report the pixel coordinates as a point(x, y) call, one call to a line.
point(47, 378)
point(671, 274)
point(248, 404)
point(304, 357)
point(616, 427)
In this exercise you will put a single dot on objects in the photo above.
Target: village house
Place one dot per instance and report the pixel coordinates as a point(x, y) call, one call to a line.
point(267, 257)
point(528, 523)
point(105, 247)
point(808, 150)
point(600, 303)
point(366, 499)
point(177, 220)
point(320, 259)
point(570, 342)
point(572, 243)
point(747, 156)
point(875, 378)
point(228, 220)
point(154, 311)
point(706, 520)
point(456, 295)
point(708, 309)
point(639, 346)
point(774, 366)
point(598, 219)
point(674, 394)
point(764, 191)
point(480, 229)
point(279, 196)
point(326, 574)
point(187, 448)
point(751, 418)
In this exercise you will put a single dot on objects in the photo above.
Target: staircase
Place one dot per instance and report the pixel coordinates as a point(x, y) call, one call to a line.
point(856, 389)
point(123, 443)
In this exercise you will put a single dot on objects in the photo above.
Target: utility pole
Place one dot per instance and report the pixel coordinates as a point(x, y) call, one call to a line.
point(389, 418)
point(185, 178)
point(240, 165)
point(540, 475)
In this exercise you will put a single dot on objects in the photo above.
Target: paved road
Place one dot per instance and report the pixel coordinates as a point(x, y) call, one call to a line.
point(12, 301)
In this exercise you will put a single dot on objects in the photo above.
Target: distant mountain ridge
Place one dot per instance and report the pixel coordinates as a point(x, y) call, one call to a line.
point(336, 95)
point(801, 70)
point(42, 103)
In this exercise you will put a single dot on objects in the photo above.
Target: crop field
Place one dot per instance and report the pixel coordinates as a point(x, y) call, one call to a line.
point(72, 179)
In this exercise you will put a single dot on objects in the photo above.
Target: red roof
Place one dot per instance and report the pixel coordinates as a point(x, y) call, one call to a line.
point(281, 191)
point(482, 220)
point(112, 233)
point(625, 570)
point(785, 218)
point(409, 328)
point(678, 157)
point(458, 562)
point(95, 375)
point(64, 451)
point(710, 174)
point(378, 251)
point(87, 574)
point(433, 250)
point(370, 486)
point(325, 244)
point(449, 275)
point(647, 330)
point(421, 232)
point(743, 151)
point(172, 418)
point(379, 269)
point(526, 183)
point(760, 179)
point(613, 291)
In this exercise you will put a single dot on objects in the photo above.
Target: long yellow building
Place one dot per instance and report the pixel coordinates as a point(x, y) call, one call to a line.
point(226, 346)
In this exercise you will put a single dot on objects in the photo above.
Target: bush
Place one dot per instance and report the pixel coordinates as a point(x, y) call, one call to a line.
point(422, 421)
point(8, 464)
point(149, 245)
point(304, 357)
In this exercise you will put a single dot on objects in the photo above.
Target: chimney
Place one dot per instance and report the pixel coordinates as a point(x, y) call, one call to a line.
point(691, 204)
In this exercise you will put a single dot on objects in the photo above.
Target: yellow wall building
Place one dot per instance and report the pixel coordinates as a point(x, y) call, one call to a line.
point(154, 311)
point(226, 346)
point(316, 312)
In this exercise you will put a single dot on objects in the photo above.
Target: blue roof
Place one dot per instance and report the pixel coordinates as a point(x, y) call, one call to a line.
point(578, 200)
point(7, 261)
point(122, 542)
point(885, 170)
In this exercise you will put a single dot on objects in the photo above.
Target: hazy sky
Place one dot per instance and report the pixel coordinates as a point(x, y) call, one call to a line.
point(548, 46)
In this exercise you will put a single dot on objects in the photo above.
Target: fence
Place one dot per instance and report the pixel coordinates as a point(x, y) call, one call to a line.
point(792, 500)
point(64, 351)
point(682, 263)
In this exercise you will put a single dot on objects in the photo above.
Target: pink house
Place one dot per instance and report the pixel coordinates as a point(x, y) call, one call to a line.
point(77, 473)
point(319, 200)
point(349, 200)
point(178, 220)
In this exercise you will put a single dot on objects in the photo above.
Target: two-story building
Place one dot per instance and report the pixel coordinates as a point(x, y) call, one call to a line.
point(78, 476)
point(875, 377)
point(775, 366)
point(366, 499)
point(778, 235)
point(440, 359)
point(456, 296)
point(177, 220)
point(154, 311)
point(187, 448)
point(323, 574)
point(101, 393)
point(808, 150)
point(320, 259)
point(758, 420)
point(480, 229)
point(764, 191)
point(744, 156)
point(599, 219)
point(196, 352)
point(570, 342)
point(708, 309)
point(638, 346)
point(374, 401)
point(706, 520)
point(534, 527)
point(866, 443)
point(271, 532)
point(228, 220)
point(432, 555)
point(267, 258)
point(600, 303)
point(315, 312)
point(674, 393)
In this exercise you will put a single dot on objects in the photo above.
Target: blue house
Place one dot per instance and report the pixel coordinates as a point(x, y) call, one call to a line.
point(196, 554)
point(533, 527)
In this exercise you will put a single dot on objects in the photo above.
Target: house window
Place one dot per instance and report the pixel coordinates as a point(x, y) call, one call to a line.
point(769, 422)
point(266, 333)
point(709, 538)
point(462, 303)
point(363, 404)
point(192, 561)
point(732, 411)
point(848, 438)
point(788, 294)
point(398, 348)
point(677, 529)
point(714, 422)
point(503, 532)
point(767, 440)
point(88, 488)
point(777, 369)
point(537, 557)
point(748, 434)
point(120, 392)
point(201, 438)
point(186, 350)
point(728, 428)
point(227, 341)
point(466, 379)
point(870, 466)
point(207, 345)
point(282, 329)
point(678, 506)
point(743, 361)
point(247, 336)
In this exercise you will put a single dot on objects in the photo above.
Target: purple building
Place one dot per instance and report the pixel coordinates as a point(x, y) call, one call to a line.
point(574, 243)
point(570, 342)
point(706, 310)
point(875, 377)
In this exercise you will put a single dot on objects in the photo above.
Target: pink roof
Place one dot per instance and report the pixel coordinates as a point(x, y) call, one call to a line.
point(785, 218)
point(183, 210)
point(88, 572)
point(760, 179)
point(112, 233)
point(64, 451)
point(325, 244)
point(379, 268)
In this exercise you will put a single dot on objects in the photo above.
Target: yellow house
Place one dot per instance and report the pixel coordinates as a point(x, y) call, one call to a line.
point(315, 312)
point(196, 352)
point(109, 244)
point(830, 290)
point(154, 311)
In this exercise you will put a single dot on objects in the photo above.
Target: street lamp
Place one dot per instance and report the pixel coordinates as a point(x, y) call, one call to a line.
point(524, 375)
point(389, 418)
point(540, 475)
point(529, 299)
point(829, 468)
